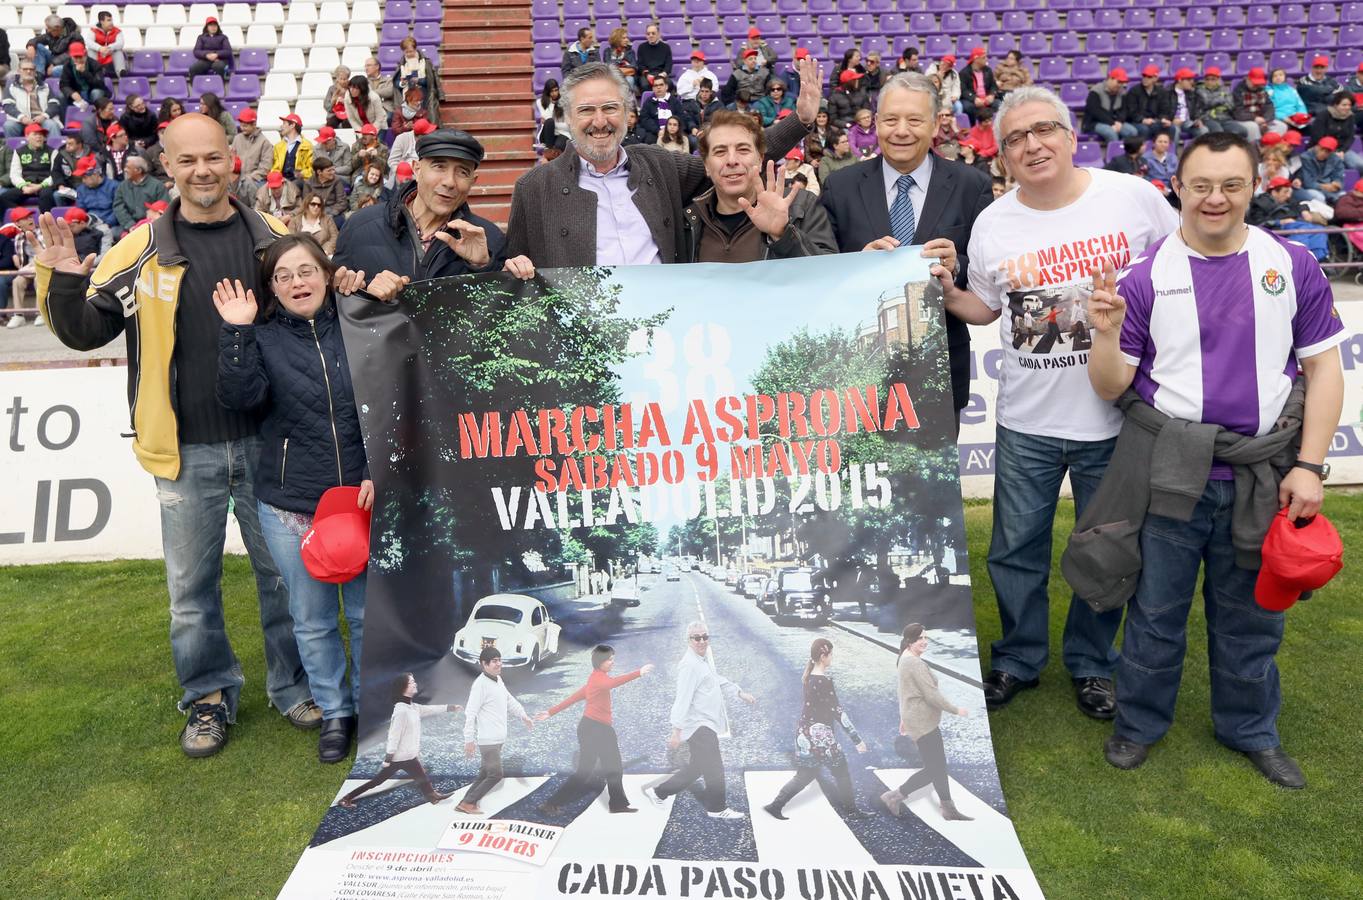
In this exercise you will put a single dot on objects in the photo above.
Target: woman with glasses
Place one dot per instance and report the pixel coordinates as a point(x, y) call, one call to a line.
point(921, 706)
point(284, 360)
point(776, 99)
point(816, 741)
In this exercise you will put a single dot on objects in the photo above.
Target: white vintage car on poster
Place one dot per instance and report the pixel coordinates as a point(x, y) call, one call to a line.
point(517, 625)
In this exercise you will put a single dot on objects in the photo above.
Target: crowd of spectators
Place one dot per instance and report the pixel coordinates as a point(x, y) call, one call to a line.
point(106, 177)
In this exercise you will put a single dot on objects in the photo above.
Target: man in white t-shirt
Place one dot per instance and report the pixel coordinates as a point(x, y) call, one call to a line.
point(1034, 251)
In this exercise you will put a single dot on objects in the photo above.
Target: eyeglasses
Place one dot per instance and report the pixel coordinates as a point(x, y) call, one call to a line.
point(776, 90)
point(303, 273)
point(1230, 188)
point(1042, 130)
point(607, 109)
point(700, 638)
point(315, 203)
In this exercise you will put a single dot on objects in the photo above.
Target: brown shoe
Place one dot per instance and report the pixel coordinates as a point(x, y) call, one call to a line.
point(346, 803)
point(436, 797)
point(205, 732)
point(469, 809)
point(893, 801)
point(306, 715)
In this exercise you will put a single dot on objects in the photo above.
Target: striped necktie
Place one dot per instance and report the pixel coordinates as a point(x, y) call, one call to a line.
point(902, 224)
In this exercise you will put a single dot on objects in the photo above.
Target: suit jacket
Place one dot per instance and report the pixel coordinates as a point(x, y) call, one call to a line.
point(553, 220)
point(854, 198)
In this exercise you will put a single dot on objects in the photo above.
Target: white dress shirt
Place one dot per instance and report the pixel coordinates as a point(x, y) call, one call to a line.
point(918, 194)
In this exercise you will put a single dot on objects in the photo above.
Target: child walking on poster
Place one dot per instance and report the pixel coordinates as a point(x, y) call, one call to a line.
point(404, 742)
point(485, 727)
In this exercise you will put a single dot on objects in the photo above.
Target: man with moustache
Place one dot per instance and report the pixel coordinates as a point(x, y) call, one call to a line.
point(201, 454)
point(604, 204)
point(1050, 421)
point(907, 195)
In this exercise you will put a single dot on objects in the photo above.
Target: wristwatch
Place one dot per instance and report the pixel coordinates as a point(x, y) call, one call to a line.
point(1323, 470)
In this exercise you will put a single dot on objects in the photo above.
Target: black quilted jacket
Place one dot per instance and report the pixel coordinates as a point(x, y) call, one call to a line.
point(295, 372)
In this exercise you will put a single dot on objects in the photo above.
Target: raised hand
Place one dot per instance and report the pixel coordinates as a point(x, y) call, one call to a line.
point(771, 211)
point(811, 89)
point(59, 247)
point(470, 245)
point(1107, 309)
point(235, 303)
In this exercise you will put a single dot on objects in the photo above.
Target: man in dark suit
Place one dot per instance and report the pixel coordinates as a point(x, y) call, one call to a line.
point(603, 204)
point(934, 200)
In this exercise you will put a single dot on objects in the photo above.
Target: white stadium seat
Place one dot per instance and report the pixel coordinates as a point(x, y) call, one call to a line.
point(9, 16)
point(323, 59)
point(333, 11)
point(353, 57)
point(198, 12)
point(366, 11)
point(296, 35)
point(362, 34)
point(173, 14)
point(289, 60)
point(314, 85)
point(35, 13)
point(189, 34)
point(271, 136)
point(311, 112)
point(160, 37)
point(328, 34)
point(132, 39)
point(235, 37)
point(345, 136)
point(303, 11)
point(262, 37)
point(269, 112)
point(280, 86)
point(74, 13)
point(237, 14)
point(269, 13)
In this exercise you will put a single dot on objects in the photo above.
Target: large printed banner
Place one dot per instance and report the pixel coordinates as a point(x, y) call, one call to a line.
point(665, 492)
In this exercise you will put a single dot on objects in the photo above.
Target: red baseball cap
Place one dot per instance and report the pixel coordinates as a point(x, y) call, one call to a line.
point(246, 115)
point(1118, 73)
point(162, 126)
point(1270, 138)
point(754, 32)
point(292, 117)
point(370, 128)
point(113, 130)
point(1160, 185)
point(1292, 138)
point(160, 206)
point(949, 60)
point(76, 214)
point(275, 179)
point(236, 165)
point(976, 52)
point(796, 153)
point(848, 76)
point(1213, 70)
point(1328, 142)
point(803, 53)
point(9, 229)
point(422, 126)
point(85, 165)
point(1278, 182)
point(1299, 119)
point(1150, 72)
point(76, 48)
point(211, 20)
point(1181, 74)
point(1320, 61)
point(1297, 556)
point(19, 212)
point(336, 548)
point(749, 52)
point(326, 133)
point(34, 128)
point(1258, 76)
point(404, 169)
point(698, 54)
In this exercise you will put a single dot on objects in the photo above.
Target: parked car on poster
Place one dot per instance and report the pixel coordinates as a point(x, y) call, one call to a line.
point(517, 625)
point(798, 596)
point(752, 586)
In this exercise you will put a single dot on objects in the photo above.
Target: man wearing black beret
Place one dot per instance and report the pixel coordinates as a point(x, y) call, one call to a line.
point(426, 229)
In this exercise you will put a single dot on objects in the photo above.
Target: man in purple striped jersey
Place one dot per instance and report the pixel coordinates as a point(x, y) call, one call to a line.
point(1212, 325)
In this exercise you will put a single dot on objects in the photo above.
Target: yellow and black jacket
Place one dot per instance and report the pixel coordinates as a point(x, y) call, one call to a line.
point(136, 289)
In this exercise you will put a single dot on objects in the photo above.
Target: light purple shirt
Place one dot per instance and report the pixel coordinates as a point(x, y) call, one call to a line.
point(622, 234)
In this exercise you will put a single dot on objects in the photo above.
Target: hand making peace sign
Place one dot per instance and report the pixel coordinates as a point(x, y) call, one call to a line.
point(1107, 308)
point(771, 211)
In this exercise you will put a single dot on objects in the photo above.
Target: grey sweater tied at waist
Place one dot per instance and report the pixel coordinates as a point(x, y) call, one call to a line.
point(1160, 465)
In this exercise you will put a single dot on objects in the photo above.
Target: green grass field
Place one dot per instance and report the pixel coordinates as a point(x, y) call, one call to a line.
point(99, 801)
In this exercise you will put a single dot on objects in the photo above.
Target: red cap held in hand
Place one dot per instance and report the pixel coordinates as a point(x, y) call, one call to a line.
point(336, 548)
point(1297, 557)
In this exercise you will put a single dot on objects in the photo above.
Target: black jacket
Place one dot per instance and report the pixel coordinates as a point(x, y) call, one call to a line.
point(694, 117)
point(1342, 130)
point(654, 58)
point(854, 199)
point(384, 237)
point(1101, 108)
point(294, 372)
point(1156, 104)
point(808, 233)
point(1269, 213)
point(648, 114)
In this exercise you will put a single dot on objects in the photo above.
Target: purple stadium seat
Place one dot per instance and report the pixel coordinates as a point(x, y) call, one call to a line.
point(1068, 42)
point(637, 27)
point(544, 54)
point(637, 9)
point(818, 7)
point(799, 26)
point(1074, 94)
point(939, 6)
point(1033, 44)
point(681, 52)
point(861, 23)
point(999, 44)
point(954, 23)
point(714, 49)
point(607, 10)
point(1289, 39)
point(253, 62)
point(722, 71)
point(1349, 36)
point(699, 8)
point(1194, 41)
point(128, 85)
point(145, 62)
point(667, 8)
point(207, 84)
point(1102, 42)
point(1348, 59)
point(1169, 17)
point(1114, 150)
point(814, 44)
point(1088, 153)
point(1086, 68)
point(1231, 17)
point(1320, 37)
point(673, 27)
point(1138, 18)
point(909, 6)
point(790, 7)
point(393, 32)
point(1052, 70)
point(401, 10)
point(1289, 60)
point(984, 22)
point(429, 11)
point(1165, 42)
point(998, 5)
point(1249, 59)
point(1222, 61)
point(14, 143)
point(1124, 61)
point(1291, 14)
point(840, 44)
point(545, 31)
point(1107, 19)
point(1130, 41)
point(168, 86)
point(426, 33)
point(1080, 20)
point(1158, 60)
point(893, 24)
point(736, 26)
point(390, 57)
point(880, 6)
point(731, 7)
point(769, 24)
point(830, 24)
point(1029, 4)
point(1322, 14)
point(1261, 15)
point(1014, 21)
point(1064, 4)
point(243, 87)
point(851, 7)
point(1185, 61)
point(1250, 39)
point(179, 61)
point(1351, 12)
point(782, 47)
point(967, 42)
point(936, 46)
point(705, 27)
point(1044, 20)
point(876, 43)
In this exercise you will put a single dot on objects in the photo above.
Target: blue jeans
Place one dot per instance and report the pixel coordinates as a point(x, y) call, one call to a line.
point(1027, 475)
point(1242, 637)
point(1109, 134)
point(193, 530)
point(313, 606)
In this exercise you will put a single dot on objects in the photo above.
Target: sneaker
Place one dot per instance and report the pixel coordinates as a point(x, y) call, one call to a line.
point(306, 715)
point(205, 732)
point(727, 814)
point(39, 321)
point(651, 795)
point(15, 321)
point(468, 809)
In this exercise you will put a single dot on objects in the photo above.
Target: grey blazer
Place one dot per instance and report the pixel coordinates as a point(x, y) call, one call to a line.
point(553, 221)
